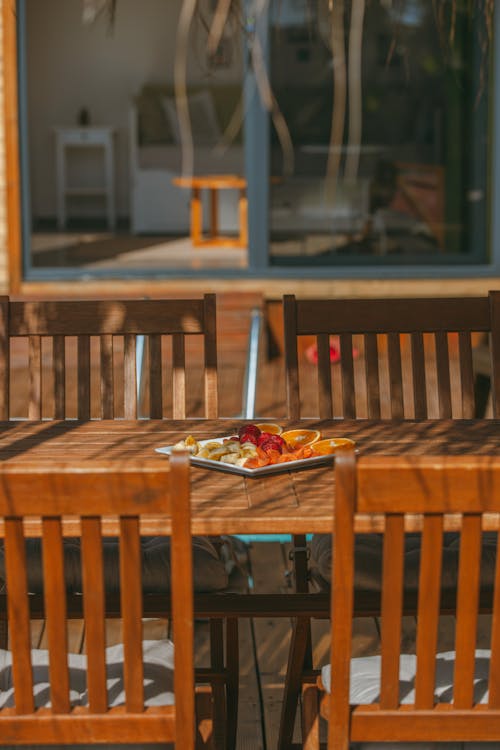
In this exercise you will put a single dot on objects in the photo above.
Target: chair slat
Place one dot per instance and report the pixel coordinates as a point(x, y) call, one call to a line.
point(4, 359)
point(392, 610)
point(131, 610)
point(372, 375)
point(428, 610)
point(347, 366)
point(466, 374)
point(467, 611)
point(55, 613)
point(178, 377)
point(418, 373)
point(35, 377)
point(291, 357)
point(18, 614)
point(395, 375)
point(211, 388)
point(59, 365)
point(93, 611)
point(182, 596)
point(324, 377)
point(107, 377)
point(155, 378)
point(443, 375)
point(83, 377)
point(129, 376)
point(342, 597)
point(494, 680)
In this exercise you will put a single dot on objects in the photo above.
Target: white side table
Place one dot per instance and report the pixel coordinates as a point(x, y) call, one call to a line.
point(85, 137)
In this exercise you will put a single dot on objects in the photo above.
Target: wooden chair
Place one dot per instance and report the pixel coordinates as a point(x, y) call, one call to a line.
point(399, 359)
point(393, 489)
point(77, 359)
point(52, 494)
point(80, 357)
point(396, 340)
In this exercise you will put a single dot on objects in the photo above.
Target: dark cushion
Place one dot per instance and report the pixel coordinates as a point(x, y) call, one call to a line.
point(209, 571)
point(368, 560)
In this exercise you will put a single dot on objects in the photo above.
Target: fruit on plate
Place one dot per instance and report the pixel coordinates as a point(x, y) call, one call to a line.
point(298, 438)
point(249, 433)
point(329, 445)
point(271, 427)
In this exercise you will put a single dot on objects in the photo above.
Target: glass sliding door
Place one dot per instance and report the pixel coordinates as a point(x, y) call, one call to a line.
point(379, 145)
point(120, 179)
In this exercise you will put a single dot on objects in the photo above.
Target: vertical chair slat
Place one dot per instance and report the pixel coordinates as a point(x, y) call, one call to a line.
point(18, 614)
point(210, 322)
point(291, 357)
point(494, 679)
point(35, 377)
point(428, 610)
point(83, 377)
point(178, 376)
point(443, 375)
point(495, 351)
point(155, 377)
point(59, 368)
point(4, 359)
point(182, 600)
point(93, 612)
point(372, 375)
point(347, 367)
point(418, 372)
point(324, 377)
point(107, 389)
point(55, 613)
point(342, 598)
point(129, 376)
point(131, 611)
point(467, 611)
point(392, 609)
point(466, 374)
point(395, 375)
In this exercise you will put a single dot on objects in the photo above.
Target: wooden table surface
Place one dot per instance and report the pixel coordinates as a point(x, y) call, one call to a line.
point(289, 502)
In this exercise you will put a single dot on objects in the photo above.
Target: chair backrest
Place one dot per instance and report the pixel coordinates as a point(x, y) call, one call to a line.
point(399, 358)
point(130, 492)
point(81, 358)
point(395, 489)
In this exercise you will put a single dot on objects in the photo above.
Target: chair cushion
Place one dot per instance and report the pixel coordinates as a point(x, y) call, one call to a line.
point(368, 560)
point(209, 571)
point(365, 678)
point(158, 659)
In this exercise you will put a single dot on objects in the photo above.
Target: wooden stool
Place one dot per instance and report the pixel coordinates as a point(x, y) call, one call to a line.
point(214, 183)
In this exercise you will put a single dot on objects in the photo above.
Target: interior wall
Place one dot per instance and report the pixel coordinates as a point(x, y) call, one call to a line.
point(4, 261)
point(71, 66)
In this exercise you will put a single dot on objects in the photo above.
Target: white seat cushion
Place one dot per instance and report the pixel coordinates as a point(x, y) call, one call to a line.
point(365, 678)
point(158, 659)
point(365, 684)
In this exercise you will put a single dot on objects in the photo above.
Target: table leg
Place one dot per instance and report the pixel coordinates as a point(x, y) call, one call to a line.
point(243, 211)
point(196, 217)
point(214, 212)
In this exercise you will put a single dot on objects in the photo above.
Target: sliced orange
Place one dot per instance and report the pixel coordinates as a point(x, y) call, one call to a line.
point(330, 445)
point(271, 427)
point(298, 438)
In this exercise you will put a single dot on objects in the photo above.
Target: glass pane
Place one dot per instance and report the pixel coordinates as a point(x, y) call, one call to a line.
point(106, 141)
point(380, 138)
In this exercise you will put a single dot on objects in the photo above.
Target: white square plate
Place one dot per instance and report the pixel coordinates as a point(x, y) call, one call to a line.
point(302, 463)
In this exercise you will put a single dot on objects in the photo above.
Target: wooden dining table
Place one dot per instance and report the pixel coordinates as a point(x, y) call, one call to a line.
point(292, 501)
